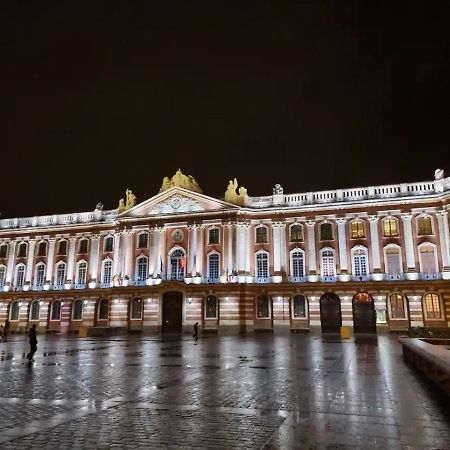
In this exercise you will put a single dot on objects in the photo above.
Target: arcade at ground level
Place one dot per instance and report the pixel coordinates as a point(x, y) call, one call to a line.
point(174, 307)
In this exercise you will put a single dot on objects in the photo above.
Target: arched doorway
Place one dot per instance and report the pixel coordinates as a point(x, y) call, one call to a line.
point(330, 313)
point(364, 317)
point(172, 312)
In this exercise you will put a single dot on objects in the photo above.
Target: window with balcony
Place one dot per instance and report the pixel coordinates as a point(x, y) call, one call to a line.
point(328, 263)
point(262, 265)
point(60, 274)
point(142, 268)
point(428, 259)
point(107, 271)
point(213, 266)
point(393, 260)
point(360, 262)
point(39, 276)
point(297, 263)
point(81, 272)
point(20, 275)
point(177, 265)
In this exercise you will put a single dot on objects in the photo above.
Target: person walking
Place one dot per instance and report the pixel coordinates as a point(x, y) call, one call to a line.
point(33, 342)
point(5, 330)
point(195, 336)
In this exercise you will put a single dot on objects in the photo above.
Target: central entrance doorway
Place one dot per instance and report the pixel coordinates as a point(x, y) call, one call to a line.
point(172, 312)
point(364, 317)
point(330, 313)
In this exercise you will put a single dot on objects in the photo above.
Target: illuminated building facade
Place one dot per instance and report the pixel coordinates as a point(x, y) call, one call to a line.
point(373, 258)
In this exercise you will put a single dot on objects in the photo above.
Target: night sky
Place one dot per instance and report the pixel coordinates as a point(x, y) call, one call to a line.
point(97, 96)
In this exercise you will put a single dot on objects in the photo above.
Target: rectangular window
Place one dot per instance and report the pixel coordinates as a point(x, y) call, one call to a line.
point(393, 264)
point(397, 306)
point(107, 270)
point(108, 244)
point(211, 307)
point(390, 227)
point(261, 235)
point(60, 274)
point(83, 247)
point(62, 248)
point(42, 249)
point(2, 276)
point(262, 265)
point(77, 310)
point(143, 240)
point(213, 236)
point(326, 232)
point(136, 309)
point(425, 227)
point(3, 251)
point(357, 229)
point(432, 306)
point(299, 306)
point(40, 274)
point(262, 307)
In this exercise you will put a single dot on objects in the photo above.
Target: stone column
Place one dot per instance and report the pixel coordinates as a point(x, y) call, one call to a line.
point(93, 258)
point(192, 244)
point(117, 253)
point(312, 259)
point(444, 236)
point(162, 250)
point(50, 261)
point(10, 264)
point(409, 245)
point(128, 266)
point(71, 260)
point(199, 249)
point(342, 239)
point(153, 264)
point(30, 261)
point(279, 248)
point(375, 244)
point(243, 241)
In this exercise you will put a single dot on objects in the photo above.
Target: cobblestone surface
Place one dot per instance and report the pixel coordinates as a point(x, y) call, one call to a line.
point(293, 391)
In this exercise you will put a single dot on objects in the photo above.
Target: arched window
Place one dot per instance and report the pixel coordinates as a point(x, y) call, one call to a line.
point(390, 227)
point(360, 261)
point(427, 260)
point(56, 310)
point(106, 271)
point(143, 240)
point(34, 310)
point(357, 229)
point(136, 308)
point(263, 307)
point(296, 233)
point(108, 244)
point(177, 265)
point(211, 307)
point(299, 306)
point(328, 262)
point(103, 309)
point(3, 250)
point(297, 263)
point(261, 235)
point(397, 306)
point(39, 275)
point(20, 275)
point(432, 306)
point(14, 311)
point(142, 268)
point(60, 273)
point(22, 250)
point(262, 265)
point(81, 272)
point(326, 231)
point(83, 246)
point(213, 236)
point(2, 276)
point(393, 260)
point(424, 226)
point(62, 248)
point(42, 249)
point(213, 266)
point(77, 310)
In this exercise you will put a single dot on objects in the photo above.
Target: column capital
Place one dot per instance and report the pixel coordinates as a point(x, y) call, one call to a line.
point(310, 222)
point(406, 216)
point(373, 218)
point(73, 238)
point(341, 220)
point(94, 237)
point(279, 224)
point(442, 213)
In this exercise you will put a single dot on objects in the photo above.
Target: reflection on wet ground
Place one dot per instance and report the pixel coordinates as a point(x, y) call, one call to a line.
point(286, 391)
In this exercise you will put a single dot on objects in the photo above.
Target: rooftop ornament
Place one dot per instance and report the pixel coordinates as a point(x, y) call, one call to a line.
point(130, 202)
point(234, 195)
point(180, 180)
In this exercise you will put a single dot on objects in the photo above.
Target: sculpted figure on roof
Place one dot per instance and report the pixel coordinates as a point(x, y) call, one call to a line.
point(180, 180)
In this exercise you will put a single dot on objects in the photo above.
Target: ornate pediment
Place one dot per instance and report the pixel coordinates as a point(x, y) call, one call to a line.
point(177, 204)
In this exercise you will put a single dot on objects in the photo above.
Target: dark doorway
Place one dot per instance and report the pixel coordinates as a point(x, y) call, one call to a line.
point(364, 317)
point(330, 313)
point(172, 312)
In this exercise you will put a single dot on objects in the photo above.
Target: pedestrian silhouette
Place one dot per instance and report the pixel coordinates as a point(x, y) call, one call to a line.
point(33, 342)
point(5, 330)
point(195, 336)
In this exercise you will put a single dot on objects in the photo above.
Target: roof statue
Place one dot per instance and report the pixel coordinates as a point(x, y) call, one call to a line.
point(130, 202)
point(438, 174)
point(232, 195)
point(180, 180)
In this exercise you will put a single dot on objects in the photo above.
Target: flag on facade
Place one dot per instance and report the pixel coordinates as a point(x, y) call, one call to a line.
point(183, 262)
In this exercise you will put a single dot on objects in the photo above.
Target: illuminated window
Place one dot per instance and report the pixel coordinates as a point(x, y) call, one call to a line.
point(62, 248)
point(390, 227)
point(136, 308)
point(42, 249)
point(397, 304)
point(262, 265)
point(3, 250)
point(34, 310)
point(296, 233)
point(427, 259)
point(299, 306)
point(432, 306)
point(22, 250)
point(142, 268)
point(81, 272)
point(39, 275)
point(213, 266)
point(393, 260)
point(20, 275)
point(177, 265)
point(83, 246)
point(360, 261)
point(107, 271)
point(108, 244)
point(60, 273)
point(357, 229)
point(56, 310)
point(326, 231)
point(213, 236)
point(143, 240)
point(424, 226)
point(211, 307)
point(14, 311)
point(2, 276)
point(77, 313)
point(298, 264)
point(103, 309)
point(262, 307)
point(328, 263)
point(261, 235)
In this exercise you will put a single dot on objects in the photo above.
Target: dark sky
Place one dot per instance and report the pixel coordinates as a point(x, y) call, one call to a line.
point(98, 96)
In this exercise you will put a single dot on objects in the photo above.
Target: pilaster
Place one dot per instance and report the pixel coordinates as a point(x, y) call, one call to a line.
point(409, 246)
point(375, 244)
point(311, 236)
point(30, 261)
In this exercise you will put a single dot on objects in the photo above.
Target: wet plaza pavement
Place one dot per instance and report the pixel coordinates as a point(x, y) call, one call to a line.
point(286, 391)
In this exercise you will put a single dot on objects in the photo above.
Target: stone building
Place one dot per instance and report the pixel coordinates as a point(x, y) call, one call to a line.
point(372, 258)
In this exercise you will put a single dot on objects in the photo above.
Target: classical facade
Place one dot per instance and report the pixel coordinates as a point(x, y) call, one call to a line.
point(373, 258)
